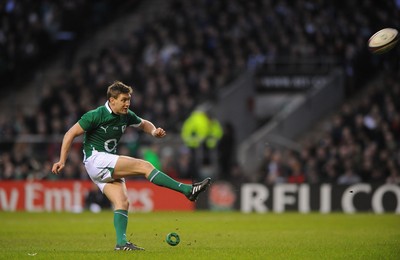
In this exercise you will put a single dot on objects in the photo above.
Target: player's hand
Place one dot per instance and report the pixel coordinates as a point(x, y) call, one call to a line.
point(158, 132)
point(57, 167)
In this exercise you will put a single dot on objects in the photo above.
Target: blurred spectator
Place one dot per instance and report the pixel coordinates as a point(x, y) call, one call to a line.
point(201, 133)
point(349, 177)
point(296, 173)
point(274, 170)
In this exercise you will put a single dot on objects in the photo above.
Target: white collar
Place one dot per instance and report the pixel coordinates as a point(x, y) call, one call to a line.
point(107, 105)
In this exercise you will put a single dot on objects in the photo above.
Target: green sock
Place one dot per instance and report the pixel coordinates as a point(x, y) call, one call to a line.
point(120, 224)
point(161, 179)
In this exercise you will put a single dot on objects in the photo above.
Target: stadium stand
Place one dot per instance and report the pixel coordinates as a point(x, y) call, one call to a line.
point(32, 32)
point(359, 142)
point(183, 58)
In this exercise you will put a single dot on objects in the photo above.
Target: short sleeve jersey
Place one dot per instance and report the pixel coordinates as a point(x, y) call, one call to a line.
point(103, 129)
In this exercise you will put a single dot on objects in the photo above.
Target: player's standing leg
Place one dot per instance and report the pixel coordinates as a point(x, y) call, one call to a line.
point(116, 192)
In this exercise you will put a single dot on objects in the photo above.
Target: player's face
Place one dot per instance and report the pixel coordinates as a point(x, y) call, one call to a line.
point(121, 104)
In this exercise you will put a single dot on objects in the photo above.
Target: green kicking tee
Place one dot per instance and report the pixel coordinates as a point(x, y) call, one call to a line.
point(103, 129)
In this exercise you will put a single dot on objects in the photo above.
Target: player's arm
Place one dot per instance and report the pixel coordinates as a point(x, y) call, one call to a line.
point(149, 128)
point(74, 131)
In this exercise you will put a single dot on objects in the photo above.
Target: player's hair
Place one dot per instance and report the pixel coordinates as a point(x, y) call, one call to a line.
point(117, 88)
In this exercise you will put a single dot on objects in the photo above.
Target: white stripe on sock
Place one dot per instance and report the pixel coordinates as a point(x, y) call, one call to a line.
point(121, 213)
point(151, 180)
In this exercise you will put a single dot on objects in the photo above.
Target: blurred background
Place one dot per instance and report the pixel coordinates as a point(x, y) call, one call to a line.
point(260, 91)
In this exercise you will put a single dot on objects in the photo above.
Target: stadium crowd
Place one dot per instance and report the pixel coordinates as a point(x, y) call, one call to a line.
point(34, 31)
point(359, 143)
point(182, 59)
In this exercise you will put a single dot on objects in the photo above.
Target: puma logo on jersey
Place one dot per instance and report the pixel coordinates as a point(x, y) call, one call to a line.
point(104, 128)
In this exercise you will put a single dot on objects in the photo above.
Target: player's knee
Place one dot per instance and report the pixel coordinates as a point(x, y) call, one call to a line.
point(126, 204)
point(122, 203)
point(148, 166)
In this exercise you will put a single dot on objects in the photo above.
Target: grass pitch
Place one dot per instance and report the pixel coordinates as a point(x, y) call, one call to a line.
point(204, 235)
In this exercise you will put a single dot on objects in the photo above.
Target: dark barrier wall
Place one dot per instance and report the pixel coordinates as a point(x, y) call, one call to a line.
point(325, 198)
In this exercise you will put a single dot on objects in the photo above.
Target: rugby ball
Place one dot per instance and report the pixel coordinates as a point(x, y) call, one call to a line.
point(383, 40)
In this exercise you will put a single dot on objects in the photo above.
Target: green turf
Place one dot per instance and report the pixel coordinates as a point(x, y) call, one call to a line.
point(204, 235)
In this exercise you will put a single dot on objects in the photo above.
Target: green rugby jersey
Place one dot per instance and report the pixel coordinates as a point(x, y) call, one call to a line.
point(103, 129)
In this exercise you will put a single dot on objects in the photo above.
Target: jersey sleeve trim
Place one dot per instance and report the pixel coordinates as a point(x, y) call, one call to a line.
point(137, 125)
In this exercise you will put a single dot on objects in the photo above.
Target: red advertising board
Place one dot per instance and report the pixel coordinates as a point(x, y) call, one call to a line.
point(69, 196)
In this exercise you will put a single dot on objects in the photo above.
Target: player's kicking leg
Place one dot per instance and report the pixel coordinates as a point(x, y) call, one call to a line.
point(129, 166)
point(190, 191)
